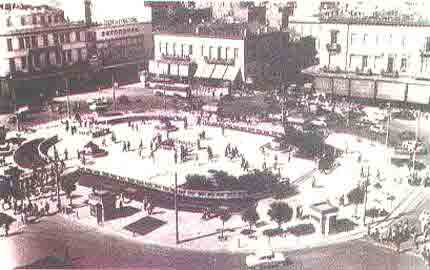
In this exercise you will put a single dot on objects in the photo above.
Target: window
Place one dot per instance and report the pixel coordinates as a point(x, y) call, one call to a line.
point(364, 62)
point(354, 39)
point(226, 52)
point(55, 19)
point(36, 60)
point(403, 65)
point(27, 43)
point(57, 58)
point(24, 62)
point(403, 42)
point(333, 36)
point(365, 39)
point(219, 53)
point(160, 45)
point(8, 22)
point(33, 42)
point(67, 37)
point(78, 36)
point(103, 33)
point(427, 44)
point(79, 55)
point(174, 49)
point(45, 40)
point(49, 19)
point(236, 53)
point(182, 49)
point(48, 59)
point(190, 50)
point(34, 18)
point(69, 56)
point(390, 64)
point(12, 66)
point(55, 36)
point(22, 20)
point(21, 43)
point(42, 20)
point(61, 38)
point(9, 45)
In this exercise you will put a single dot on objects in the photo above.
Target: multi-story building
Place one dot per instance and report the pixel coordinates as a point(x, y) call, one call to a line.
point(38, 48)
point(123, 48)
point(215, 56)
point(387, 58)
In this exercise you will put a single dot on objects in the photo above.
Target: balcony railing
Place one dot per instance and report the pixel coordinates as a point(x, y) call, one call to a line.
point(184, 58)
point(215, 61)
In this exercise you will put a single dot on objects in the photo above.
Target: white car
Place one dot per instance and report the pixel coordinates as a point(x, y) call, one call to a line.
point(265, 259)
point(319, 123)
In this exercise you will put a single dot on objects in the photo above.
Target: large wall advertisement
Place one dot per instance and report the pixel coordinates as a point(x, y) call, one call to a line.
point(323, 84)
point(362, 88)
point(391, 91)
point(341, 87)
point(418, 94)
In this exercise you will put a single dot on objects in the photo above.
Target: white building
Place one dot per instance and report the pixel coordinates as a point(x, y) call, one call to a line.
point(225, 55)
point(394, 51)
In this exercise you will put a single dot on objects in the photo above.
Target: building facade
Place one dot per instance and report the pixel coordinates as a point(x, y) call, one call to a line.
point(37, 44)
point(123, 48)
point(226, 56)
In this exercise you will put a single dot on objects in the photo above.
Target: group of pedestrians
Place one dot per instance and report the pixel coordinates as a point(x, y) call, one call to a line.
point(396, 234)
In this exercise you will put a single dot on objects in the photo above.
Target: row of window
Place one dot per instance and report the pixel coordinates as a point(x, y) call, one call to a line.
point(35, 60)
point(355, 40)
point(183, 49)
point(120, 32)
point(43, 19)
point(32, 42)
point(390, 63)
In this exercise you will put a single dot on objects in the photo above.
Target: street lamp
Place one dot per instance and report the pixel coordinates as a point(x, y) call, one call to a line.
point(366, 184)
point(388, 128)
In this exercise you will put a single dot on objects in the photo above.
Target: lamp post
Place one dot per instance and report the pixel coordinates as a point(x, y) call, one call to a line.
point(114, 86)
point(387, 134)
point(66, 88)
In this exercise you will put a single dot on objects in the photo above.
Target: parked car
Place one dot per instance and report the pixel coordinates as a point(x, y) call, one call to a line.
point(265, 259)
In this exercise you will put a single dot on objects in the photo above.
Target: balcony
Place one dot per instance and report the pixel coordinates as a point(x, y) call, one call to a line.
point(215, 61)
point(333, 48)
point(392, 74)
point(176, 58)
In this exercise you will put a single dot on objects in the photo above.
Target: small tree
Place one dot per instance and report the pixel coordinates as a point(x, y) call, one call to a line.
point(356, 197)
point(280, 212)
point(224, 217)
point(250, 216)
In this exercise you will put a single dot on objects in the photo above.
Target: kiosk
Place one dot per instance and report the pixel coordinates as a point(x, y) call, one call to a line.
point(325, 215)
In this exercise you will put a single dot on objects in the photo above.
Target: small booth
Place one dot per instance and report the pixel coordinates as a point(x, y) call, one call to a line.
point(102, 205)
point(325, 214)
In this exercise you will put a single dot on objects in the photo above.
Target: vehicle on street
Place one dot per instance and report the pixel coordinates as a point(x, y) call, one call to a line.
point(265, 259)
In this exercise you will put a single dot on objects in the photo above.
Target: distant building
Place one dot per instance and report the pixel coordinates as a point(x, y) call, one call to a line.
point(38, 48)
point(122, 48)
point(380, 57)
point(219, 56)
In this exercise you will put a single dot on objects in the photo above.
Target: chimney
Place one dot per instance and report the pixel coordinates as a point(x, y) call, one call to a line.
point(88, 15)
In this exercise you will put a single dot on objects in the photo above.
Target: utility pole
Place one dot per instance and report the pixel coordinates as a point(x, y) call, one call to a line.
point(365, 194)
point(176, 208)
point(415, 146)
point(388, 128)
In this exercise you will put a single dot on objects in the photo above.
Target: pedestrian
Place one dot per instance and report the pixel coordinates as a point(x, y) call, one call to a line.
point(66, 154)
point(79, 154)
point(289, 156)
point(128, 146)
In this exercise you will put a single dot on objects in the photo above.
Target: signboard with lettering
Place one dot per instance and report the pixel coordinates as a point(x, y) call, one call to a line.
point(362, 88)
point(391, 91)
point(121, 21)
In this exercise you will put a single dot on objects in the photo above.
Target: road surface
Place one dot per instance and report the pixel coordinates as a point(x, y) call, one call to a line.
point(90, 248)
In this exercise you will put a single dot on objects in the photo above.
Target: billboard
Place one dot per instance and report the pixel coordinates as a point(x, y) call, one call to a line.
point(418, 94)
point(323, 85)
point(341, 87)
point(362, 88)
point(391, 91)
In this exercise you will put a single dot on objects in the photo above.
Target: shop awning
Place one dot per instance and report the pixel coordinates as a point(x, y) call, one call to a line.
point(183, 70)
point(231, 73)
point(204, 71)
point(418, 94)
point(219, 72)
point(153, 67)
point(163, 68)
point(174, 69)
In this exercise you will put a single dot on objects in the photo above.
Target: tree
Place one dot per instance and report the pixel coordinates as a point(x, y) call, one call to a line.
point(282, 191)
point(68, 187)
point(250, 216)
point(224, 180)
point(356, 196)
point(224, 217)
point(280, 212)
point(196, 181)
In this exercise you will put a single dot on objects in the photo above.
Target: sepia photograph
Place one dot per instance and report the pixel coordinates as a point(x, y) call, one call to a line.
point(215, 134)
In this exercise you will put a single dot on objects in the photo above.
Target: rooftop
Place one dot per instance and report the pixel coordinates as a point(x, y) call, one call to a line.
point(220, 29)
point(21, 8)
